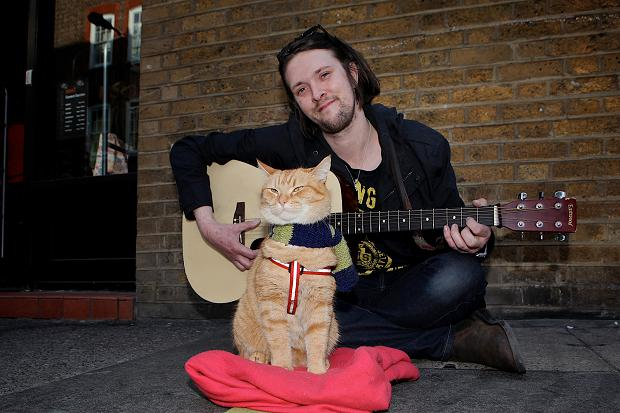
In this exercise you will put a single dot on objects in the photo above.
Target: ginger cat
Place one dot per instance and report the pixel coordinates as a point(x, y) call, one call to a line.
point(283, 318)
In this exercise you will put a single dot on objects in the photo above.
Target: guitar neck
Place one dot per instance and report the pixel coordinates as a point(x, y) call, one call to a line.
point(411, 220)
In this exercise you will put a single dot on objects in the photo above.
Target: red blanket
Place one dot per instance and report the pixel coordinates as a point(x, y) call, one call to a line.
point(358, 380)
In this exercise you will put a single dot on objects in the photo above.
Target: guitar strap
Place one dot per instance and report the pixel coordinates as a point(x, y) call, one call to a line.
point(400, 187)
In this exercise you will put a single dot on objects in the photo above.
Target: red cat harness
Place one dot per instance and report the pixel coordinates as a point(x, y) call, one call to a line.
point(295, 270)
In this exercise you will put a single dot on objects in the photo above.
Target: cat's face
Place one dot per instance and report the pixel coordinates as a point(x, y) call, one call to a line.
point(296, 196)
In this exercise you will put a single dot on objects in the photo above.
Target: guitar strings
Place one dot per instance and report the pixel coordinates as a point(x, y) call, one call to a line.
point(368, 221)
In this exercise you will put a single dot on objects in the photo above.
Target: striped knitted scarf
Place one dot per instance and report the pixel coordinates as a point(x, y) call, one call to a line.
point(321, 235)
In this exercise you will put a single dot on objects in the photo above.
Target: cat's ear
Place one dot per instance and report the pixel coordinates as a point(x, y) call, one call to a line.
point(268, 169)
point(322, 169)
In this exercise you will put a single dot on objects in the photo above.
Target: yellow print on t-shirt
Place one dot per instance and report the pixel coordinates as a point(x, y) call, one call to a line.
point(369, 257)
point(366, 196)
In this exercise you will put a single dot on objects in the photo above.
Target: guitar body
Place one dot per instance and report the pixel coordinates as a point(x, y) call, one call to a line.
point(209, 273)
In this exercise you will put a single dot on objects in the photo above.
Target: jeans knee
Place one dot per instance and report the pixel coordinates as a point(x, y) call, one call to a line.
point(457, 277)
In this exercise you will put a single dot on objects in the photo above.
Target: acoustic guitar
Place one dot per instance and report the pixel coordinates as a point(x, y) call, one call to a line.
point(236, 196)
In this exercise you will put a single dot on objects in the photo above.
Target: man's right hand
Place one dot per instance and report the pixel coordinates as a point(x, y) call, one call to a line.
point(225, 237)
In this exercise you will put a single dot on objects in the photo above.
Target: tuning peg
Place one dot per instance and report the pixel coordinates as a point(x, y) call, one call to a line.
point(560, 237)
point(522, 235)
point(542, 236)
point(522, 196)
point(541, 195)
point(560, 194)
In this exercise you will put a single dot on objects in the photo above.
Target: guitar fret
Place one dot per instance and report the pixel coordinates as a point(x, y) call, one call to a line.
point(409, 214)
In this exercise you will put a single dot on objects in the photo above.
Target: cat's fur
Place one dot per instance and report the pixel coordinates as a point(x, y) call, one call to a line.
point(262, 329)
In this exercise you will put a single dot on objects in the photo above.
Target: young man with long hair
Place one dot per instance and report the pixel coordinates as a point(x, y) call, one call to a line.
point(423, 297)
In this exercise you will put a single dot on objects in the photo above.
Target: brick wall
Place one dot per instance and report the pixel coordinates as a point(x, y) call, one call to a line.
point(525, 91)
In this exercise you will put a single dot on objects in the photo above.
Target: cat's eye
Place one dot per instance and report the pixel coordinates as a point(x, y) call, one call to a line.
point(273, 191)
point(297, 189)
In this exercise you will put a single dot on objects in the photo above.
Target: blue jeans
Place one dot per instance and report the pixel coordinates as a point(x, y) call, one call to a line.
point(414, 309)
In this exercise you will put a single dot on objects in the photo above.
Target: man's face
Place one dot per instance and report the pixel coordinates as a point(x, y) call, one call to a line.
point(322, 89)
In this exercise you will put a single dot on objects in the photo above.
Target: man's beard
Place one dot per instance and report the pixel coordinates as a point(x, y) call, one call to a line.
point(343, 118)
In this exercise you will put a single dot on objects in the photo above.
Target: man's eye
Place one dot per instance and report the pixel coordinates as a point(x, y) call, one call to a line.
point(300, 91)
point(324, 74)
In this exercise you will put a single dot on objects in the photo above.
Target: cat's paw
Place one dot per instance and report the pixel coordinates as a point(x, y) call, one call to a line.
point(259, 357)
point(319, 368)
point(285, 364)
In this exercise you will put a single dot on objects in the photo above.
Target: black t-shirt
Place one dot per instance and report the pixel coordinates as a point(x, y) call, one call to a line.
point(372, 254)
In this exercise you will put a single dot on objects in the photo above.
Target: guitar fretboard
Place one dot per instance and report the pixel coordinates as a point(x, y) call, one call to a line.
point(411, 220)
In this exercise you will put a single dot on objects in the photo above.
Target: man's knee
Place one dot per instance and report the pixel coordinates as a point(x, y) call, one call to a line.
point(457, 276)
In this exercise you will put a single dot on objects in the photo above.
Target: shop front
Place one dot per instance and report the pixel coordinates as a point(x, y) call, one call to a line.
point(70, 106)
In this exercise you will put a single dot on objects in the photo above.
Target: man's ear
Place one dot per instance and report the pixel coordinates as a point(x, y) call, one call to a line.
point(268, 169)
point(353, 70)
point(322, 169)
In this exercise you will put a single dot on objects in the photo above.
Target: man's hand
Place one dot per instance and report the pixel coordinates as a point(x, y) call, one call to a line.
point(472, 237)
point(225, 237)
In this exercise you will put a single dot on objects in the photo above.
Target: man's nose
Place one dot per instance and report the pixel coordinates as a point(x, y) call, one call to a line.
point(318, 95)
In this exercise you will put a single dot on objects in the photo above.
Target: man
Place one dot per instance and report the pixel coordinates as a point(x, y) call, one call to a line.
point(427, 300)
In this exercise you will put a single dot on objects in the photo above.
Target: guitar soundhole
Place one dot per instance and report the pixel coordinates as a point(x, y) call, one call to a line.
point(256, 243)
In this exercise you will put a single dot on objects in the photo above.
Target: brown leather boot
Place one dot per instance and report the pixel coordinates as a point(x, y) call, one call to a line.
point(484, 340)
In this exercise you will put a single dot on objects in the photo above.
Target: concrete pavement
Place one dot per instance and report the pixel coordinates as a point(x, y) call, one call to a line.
point(61, 366)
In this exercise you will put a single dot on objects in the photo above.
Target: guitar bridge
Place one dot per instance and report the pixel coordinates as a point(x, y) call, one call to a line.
point(238, 218)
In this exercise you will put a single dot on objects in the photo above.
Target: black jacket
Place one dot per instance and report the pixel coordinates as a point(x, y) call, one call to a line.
point(423, 156)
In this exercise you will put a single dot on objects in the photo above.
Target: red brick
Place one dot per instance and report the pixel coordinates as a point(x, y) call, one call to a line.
point(126, 309)
point(50, 308)
point(18, 307)
point(105, 308)
point(77, 308)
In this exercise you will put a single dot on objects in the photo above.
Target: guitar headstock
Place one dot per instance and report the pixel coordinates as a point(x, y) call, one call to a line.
point(557, 214)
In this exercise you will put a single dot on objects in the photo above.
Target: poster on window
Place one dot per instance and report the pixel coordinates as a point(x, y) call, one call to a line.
point(73, 109)
point(116, 154)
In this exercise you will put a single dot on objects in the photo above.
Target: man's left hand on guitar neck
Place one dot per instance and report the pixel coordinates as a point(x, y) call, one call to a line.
point(472, 238)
